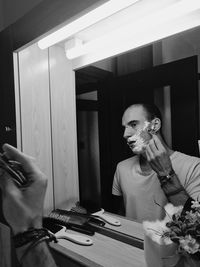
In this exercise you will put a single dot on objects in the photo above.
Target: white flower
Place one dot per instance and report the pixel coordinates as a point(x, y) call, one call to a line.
point(171, 210)
point(195, 204)
point(156, 229)
point(189, 244)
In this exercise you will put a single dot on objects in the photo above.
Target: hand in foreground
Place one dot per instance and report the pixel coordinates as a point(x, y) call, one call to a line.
point(158, 157)
point(23, 207)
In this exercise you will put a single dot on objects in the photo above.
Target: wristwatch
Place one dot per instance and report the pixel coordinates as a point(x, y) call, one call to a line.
point(166, 178)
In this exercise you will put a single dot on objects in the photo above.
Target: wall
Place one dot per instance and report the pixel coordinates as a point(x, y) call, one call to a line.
point(1, 15)
point(10, 10)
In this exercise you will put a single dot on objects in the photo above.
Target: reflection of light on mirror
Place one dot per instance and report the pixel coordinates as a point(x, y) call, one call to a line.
point(176, 18)
point(52, 62)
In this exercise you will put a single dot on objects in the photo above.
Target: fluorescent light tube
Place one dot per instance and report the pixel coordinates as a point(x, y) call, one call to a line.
point(94, 16)
point(154, 26)
point(136, 41)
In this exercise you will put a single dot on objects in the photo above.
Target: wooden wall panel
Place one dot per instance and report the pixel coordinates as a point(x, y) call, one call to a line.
point(35, 111)
point(63, 112)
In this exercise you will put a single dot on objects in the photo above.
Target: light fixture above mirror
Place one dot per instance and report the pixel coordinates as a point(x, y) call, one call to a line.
point(119, 26)
point(96, 15)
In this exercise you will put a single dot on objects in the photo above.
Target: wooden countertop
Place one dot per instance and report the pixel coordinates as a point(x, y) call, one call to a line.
point(128, 226)
point(106, 251)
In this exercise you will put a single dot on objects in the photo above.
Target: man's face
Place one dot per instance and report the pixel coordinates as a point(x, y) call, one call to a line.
point(136, 128)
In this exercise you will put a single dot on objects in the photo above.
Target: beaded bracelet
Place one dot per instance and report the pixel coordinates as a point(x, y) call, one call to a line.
point(32, 234)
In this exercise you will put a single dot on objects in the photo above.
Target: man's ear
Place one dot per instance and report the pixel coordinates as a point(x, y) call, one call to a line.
point(156, 125)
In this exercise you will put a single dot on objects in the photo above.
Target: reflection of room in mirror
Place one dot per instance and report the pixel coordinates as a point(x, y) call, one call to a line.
point(88, 147)
point(171, 49)
point(162, 101)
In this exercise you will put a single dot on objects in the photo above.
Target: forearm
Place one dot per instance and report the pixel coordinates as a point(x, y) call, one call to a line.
point(37, 256)
point(179, 199)
point(174, 191)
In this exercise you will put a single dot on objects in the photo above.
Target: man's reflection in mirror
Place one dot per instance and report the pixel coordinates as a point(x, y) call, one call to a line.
point(139, 181)
point(136, 179)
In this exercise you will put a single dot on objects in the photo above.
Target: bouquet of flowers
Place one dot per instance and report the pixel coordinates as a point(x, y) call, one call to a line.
point(180, 226)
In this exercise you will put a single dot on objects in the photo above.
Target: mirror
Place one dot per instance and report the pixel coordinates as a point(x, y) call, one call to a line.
point(164, 73)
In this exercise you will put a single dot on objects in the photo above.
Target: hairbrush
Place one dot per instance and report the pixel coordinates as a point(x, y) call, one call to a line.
point(14, 169)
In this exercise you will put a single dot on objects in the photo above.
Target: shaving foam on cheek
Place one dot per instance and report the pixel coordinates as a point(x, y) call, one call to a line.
point(140, 138)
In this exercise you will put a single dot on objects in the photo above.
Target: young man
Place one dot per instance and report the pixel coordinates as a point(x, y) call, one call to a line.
point(155, 174)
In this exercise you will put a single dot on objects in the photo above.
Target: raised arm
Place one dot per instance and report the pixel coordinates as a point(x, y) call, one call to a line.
point(160, 162)
point(23, 210)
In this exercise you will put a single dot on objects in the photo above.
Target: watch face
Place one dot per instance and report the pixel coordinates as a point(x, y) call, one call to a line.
point(171, 173)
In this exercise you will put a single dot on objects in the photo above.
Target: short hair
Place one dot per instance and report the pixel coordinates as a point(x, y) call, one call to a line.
point(152, 111)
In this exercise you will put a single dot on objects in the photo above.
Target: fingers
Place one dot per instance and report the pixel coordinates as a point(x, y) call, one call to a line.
point(7, 185)
point(157, 142)
point(154, 148)
point(155, 145)
point(32, 171)
point(14, 154)
point(149, 154)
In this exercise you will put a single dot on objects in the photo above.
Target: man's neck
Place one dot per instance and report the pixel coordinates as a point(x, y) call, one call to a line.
point(144, 165)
